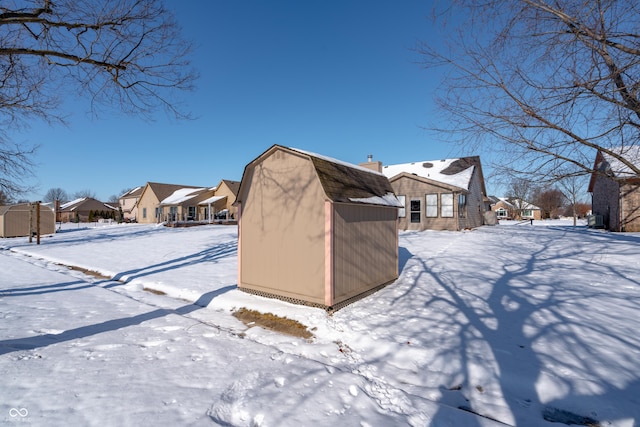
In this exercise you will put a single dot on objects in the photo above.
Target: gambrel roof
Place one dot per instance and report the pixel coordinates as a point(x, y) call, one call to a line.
point(344, 182)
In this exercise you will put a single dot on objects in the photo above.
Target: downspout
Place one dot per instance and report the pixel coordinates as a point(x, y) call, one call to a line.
point(621, 208)
point(239, 244)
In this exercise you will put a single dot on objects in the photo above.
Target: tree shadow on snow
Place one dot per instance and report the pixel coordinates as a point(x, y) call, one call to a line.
point(44, 340)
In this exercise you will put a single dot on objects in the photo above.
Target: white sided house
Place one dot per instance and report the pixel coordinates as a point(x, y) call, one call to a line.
point(444, 194)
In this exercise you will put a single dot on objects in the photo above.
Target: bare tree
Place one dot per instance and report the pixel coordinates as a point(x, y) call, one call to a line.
point(544, 85)
point(126, 54)
point(573, 186)
point(54, 194)
point(550, 200)
point(86, 193)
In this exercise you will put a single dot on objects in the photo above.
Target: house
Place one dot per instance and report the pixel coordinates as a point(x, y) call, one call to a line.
point(221, 205)
point(314, 230)
point(128, 203)
point(182, 204)
point(615, 189)
point(22, 219)
point(153, 193)
point(85, 209)
point(515, 209)
point(444, 194)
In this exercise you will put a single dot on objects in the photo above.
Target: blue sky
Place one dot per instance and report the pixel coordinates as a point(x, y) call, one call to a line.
point(336, 78)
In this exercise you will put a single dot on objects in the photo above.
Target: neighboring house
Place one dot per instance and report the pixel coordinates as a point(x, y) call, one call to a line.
point(153, 193)
point(21, 219)
point(314, 230)
point(615, 190)
point(182, 204)
point(514, 209)
point(503, 208)
point(525, 210)
point(445, 194)
point(85, 209)
point(128, 203)
point(221, 205)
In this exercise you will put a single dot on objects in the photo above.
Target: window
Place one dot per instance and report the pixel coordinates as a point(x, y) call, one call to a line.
point(462, 205)
point(415, 210)
point(402, 212)
point(431, 205)
point(527, 213)
point(144, 212)
point(502, 213)
point(446, 208)
point(192, 213)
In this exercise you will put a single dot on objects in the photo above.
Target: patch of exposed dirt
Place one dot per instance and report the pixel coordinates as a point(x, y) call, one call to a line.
point(272, 322)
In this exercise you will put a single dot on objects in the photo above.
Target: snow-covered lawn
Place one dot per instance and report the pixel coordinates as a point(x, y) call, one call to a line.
point(511, 324)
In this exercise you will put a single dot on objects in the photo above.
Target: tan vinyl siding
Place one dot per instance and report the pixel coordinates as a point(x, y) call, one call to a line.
point(14, 220)
point(414, 189)
point(365, 249)
point(282, 247)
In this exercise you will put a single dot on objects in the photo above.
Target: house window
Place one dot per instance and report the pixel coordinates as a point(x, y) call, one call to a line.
point(502, 213)
point(462, 205)
point(402, 212)
point(446, 208)
point(431, 205)
point(415, 210)
point(144, 212)
point(527, 213)
point(173, 213)
point(192, 212)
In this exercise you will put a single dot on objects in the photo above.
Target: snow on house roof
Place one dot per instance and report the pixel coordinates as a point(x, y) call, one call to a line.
point(619, 169)
point(456, 172)
point(73, 202)
point(182, 195)
point(212, 200)
point(132, 192)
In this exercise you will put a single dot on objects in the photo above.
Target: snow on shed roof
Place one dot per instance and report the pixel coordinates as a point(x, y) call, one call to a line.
point(346, 182)
point(456, 172)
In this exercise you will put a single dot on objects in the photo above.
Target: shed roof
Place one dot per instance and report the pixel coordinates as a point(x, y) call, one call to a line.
point(344, 182)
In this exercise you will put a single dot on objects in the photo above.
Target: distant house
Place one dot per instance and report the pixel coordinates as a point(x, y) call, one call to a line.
point(153, 193)
point(129, 204)
point(313, 229)
point(21, 219)
point(221, 205)
point(85, 209)
point(615, 189)
point(444, 194)
point(515, 209)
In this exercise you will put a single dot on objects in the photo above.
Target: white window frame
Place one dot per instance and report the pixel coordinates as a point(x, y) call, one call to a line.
point(402, 212)
point(431, 205)
point(446, 205)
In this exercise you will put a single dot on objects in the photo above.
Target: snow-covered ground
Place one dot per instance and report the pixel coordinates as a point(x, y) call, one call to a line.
point(511, 324)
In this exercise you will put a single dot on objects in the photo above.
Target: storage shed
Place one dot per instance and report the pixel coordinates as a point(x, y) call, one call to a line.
point(15, 220)
point(315, 230)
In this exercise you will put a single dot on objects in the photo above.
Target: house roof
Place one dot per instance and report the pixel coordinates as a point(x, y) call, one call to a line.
point(211, 200)
point(234, 186)
point(617, 168)
point(162, 191)
point(182, 195)
point(134, 192)
point(611, 166)
point(344, 182)
point(454, 172)
point(79, 204)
